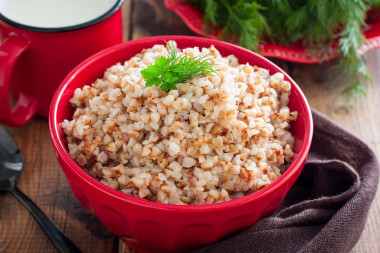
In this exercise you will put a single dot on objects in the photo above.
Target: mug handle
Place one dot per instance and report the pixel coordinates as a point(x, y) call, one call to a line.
point(26, 106)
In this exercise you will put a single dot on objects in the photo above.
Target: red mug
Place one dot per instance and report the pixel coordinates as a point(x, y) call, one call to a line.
point(34, 60)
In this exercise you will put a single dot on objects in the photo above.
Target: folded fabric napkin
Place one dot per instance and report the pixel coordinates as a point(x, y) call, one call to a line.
point(326, 209)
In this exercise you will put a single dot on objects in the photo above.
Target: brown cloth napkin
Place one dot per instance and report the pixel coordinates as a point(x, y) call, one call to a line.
point(326, 209)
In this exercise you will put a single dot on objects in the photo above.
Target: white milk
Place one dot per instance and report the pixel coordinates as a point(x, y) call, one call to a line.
point(54, 13)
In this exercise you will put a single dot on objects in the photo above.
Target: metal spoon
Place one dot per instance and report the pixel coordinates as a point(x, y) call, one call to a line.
point(11, 163)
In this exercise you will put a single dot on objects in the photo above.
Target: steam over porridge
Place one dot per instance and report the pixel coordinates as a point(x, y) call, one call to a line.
point(217, 137)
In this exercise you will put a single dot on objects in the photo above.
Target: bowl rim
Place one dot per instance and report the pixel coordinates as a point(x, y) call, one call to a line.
point(61, 150)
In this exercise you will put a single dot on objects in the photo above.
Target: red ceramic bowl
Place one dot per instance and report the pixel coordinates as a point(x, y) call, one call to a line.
point(151, 226)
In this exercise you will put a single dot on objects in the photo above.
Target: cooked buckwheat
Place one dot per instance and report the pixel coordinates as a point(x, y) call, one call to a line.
point(216, 138)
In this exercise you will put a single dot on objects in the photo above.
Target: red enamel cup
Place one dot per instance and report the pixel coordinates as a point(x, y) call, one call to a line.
point(34, 60)
point(150, 226)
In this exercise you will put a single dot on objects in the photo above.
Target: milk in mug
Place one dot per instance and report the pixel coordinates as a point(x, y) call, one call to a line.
point(54, 13)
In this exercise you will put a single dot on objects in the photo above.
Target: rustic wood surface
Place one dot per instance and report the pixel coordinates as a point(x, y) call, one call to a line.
point(44, 182)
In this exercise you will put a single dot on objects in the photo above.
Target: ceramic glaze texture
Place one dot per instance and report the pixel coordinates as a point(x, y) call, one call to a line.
point(149, 226)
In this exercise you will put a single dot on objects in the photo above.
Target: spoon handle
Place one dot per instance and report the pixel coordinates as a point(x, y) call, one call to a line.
point(59, 239)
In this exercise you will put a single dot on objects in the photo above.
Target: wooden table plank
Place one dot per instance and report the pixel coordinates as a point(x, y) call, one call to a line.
point(44, 182)
point(151, 18)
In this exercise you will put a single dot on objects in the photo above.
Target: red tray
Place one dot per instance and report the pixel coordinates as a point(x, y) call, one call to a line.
point(295, 53)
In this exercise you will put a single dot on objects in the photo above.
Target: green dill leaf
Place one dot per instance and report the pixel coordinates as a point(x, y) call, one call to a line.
point(167, 72)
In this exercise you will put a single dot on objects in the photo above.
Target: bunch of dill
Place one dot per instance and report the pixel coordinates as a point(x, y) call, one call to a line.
point(317, 24)
point(167, 72)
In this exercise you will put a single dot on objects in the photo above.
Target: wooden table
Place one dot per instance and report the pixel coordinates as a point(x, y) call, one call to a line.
point(44, 182)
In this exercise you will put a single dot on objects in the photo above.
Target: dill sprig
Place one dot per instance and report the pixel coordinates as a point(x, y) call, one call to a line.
point(317, 24)
point(167, 72)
